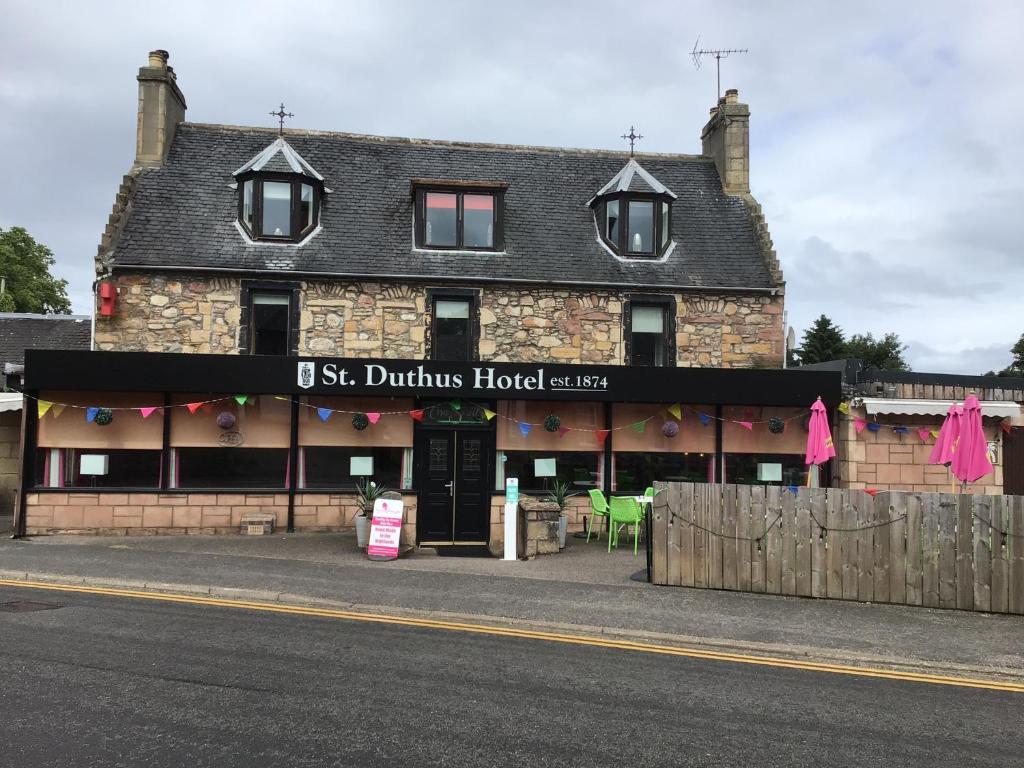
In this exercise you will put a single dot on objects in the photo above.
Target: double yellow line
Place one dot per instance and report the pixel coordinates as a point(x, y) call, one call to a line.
point(528, 634)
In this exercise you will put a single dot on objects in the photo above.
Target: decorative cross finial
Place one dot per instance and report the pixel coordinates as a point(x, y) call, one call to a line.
point(281, 115)
point(632, 136)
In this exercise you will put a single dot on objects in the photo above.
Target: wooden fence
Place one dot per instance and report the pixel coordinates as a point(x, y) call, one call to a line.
point(930, 549)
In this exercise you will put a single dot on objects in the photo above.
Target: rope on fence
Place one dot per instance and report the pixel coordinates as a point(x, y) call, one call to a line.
point(1000, 531)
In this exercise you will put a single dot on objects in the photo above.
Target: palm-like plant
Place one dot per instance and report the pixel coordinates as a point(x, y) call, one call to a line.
point(367, 492)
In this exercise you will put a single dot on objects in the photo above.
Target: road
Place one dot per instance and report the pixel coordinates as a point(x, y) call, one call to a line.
point(104, 681)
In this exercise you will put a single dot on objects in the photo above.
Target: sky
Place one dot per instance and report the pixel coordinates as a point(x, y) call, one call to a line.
point(884, 136)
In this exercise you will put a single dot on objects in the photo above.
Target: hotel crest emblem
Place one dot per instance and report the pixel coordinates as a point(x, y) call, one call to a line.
point(307, 374)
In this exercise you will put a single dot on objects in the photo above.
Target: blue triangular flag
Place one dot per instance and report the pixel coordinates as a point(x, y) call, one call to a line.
point(794, 489)
point(525, 428)
point(704, 419)
point(874, 426)
point(90, 413)
point(324, 413)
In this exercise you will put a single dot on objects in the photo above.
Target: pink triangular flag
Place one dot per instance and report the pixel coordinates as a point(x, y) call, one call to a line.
point(924, 433)
point(859, 425)
point(746, 425)
point(147, 412)
point(373, 417)
point(563, 431)
point(193, 407)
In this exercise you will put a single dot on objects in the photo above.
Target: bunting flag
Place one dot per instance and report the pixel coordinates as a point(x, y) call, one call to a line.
point(704, 419)
point(324, 414)
point(373, 416)
point(872, 492)
point(859, 425)
point(193, 407)
point(1006, 426)
point(525, 428)
point(489, 414)
point(241, 399)
point(748, 425)
point(43, 406)
point(794, 489)
point(874, 426)
point(935, 434)
point(676, 411)
point(57, 409)
point(148, 411)
point(923, 433)
point(901, 431)
point(844, 408)
point(416, 415)
point(639, 426)
point(90, 413)
point(601, 435)
point(456, 405)
point(563, 431)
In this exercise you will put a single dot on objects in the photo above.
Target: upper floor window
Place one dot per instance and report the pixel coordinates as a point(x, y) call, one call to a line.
point(454, 332)
point(270, 317)
point(279, 207)
point(468, 219)
point(650, 332)
point(633, 213)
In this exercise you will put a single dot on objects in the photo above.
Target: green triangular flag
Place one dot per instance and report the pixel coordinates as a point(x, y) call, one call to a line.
point(241, 399)
point(456, 405)
point(640, 426)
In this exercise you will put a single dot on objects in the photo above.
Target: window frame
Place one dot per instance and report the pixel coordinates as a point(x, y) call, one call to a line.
point(299, 230)
point(251, 287)
point(668, 334)
point(468, 295)
point(460, 191)
point(621, 245)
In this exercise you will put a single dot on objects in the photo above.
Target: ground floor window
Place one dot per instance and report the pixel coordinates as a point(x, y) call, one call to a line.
point(765, 469)
point(230, 467)
point(637, 471)
point(342, 467)
point(97, 468)
point(537, 470)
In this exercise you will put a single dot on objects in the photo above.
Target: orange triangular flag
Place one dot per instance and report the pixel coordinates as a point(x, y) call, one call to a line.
point(193, 407)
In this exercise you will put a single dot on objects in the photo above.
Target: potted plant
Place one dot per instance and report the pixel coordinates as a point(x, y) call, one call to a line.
point(560, 492)
point(367, 492)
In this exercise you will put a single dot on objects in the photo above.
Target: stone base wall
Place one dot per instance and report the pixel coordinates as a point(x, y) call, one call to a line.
point(188, 313)
point(142, 514)
point(10, 462)
point(888, 461)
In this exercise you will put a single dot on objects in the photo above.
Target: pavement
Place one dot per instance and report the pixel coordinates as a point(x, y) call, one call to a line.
point(583, 590)
point(93, 680)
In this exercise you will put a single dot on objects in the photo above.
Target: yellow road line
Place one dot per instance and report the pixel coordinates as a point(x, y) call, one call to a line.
point(554, 637)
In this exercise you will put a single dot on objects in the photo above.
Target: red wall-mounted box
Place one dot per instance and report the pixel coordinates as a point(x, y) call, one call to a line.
point(108, 298)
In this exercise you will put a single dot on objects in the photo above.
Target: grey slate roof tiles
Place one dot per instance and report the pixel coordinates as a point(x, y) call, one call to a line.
point(19, 332)
point(183, 214)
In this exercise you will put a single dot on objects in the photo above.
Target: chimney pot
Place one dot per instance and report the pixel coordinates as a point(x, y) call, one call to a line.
point(161, 108)
point(732, 96)
point(158, 59)
point(727, 142)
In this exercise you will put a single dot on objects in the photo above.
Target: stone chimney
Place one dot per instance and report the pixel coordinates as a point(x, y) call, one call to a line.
point(726, 138)
point(161, 108)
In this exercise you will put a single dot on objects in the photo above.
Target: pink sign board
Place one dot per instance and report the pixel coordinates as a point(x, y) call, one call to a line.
point(385, 529)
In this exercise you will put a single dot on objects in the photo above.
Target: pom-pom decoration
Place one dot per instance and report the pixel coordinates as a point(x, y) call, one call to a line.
point(360, 421)
point(552, 423)
point(225, 419)
point(103, 417)
point(776, 425)
point(670, 429)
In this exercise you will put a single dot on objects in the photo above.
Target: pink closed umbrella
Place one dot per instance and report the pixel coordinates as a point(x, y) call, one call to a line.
point(942, 451)
point(819, 437)
point(970, 457)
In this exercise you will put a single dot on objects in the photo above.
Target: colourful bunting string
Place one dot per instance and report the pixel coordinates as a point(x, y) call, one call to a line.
point(794, 489)
point(241, 399)
point(923, 433)
point(872, 492)
point(844, 408)
point(90, 413)
point(874, 426)
point(747, 425)
point(859, 425)
point(1006, 426)
point(456, 405)
point(525, 428)
point(416, 415)
point(704, 419)
point(601, 435)
point(57, 410)
point(676, 411)
point(563, 431)
point(193, 407)
point(148, 411)
point(324, 414)
point(43, 406)
point(639, 426)
point(935, 434)
point(489, 414)
point(373, 416)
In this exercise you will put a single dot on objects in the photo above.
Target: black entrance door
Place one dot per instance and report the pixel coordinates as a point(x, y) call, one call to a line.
point(454, 473)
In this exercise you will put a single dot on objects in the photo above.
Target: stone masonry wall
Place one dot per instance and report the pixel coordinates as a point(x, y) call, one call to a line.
point(372, 319)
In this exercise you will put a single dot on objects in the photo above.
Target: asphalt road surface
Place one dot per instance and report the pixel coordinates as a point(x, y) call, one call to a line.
point(101, 681)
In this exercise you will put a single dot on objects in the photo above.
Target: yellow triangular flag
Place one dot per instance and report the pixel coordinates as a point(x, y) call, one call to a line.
point(676, 411)
point(44, 406)
point(844, 408)
point(935, 433)
point(489, 414)
point(57, 410)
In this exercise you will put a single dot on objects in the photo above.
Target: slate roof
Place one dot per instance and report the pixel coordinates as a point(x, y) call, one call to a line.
point(182, 215)
point(19, 331)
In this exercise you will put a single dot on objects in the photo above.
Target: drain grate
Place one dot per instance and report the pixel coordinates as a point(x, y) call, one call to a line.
point(26, 606)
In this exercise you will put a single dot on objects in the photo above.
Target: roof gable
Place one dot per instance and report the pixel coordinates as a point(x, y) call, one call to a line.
point(633, 178)
point(279, 156)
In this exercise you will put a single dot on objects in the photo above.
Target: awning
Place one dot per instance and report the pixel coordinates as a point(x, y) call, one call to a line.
point(903, 407)
point(10, 401)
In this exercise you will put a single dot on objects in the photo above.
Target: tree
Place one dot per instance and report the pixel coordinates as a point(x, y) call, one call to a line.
point(25, 265)
point(1016, 366)
point(885, 353)
point(822, 342)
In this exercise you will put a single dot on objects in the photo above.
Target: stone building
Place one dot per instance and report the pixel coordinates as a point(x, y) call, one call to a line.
point(328, 247)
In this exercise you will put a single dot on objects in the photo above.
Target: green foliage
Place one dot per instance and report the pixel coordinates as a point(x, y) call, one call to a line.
point(26, 266)
point(367, 492)
point(822, 342)
point(560, 492)
point(1016, 366)
point(885, 353)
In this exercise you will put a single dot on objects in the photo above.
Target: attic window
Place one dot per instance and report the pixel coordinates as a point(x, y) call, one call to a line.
point(633, 213)
point(278, 207)
point(459, 218)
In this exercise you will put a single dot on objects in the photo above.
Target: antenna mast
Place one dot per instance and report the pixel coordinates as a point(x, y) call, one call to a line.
point(719, 54)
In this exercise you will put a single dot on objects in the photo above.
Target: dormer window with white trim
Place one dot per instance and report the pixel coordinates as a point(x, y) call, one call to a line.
point(633, 213)
point(279, 195)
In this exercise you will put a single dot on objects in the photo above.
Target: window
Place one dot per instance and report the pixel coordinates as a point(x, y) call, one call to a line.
point(269, 323)
point(329, 466)
point(641, 226)
point(582, 470)
point(635, 472)
point(231, 467)
point(635, 225)
point(453, 336)
point(612, 221)
point(114, 468)
point(649, 343)
point(280, 207)
point(458, 220)
point(742, 468)
point(663, 243)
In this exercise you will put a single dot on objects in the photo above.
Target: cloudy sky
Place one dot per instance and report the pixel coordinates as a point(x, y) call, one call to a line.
point(885, 137)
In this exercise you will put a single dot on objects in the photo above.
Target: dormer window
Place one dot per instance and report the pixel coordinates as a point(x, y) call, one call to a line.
point(633, 212)
point(463, 217)
point(280, 195)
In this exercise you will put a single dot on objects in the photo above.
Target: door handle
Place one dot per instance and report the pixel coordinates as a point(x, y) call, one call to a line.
point(450, 485)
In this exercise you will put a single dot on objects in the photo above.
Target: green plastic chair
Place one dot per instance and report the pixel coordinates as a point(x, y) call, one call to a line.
point(598, 508)
point(624, 512)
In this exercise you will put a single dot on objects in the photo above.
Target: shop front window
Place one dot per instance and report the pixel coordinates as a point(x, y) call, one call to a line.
point(634, 472)
point(765, 469)
point(537, 470)
point(231, 467)
point(343, 466)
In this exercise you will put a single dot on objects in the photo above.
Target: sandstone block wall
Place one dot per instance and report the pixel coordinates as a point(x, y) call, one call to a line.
point(10, 461)
point(371, 319)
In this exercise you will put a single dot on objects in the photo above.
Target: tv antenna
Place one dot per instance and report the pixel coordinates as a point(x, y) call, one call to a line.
point(719, 54)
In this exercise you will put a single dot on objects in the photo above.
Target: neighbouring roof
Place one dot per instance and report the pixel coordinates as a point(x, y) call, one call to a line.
point(21, 331)
point(905, 407)
point(183, 214)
